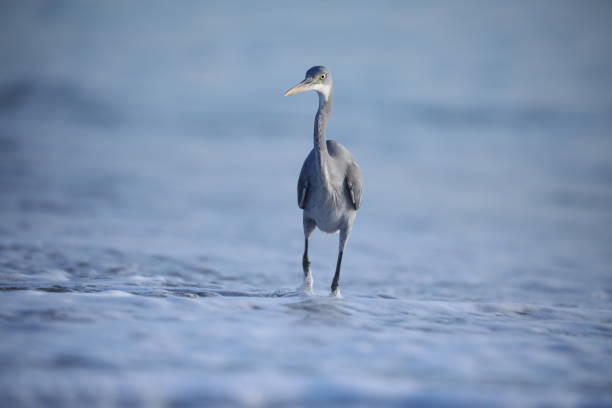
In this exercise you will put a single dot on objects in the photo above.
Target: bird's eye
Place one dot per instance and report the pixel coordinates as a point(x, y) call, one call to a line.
point(322, 76)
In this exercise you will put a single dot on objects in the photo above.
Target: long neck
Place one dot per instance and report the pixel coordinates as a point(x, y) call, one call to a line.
point(321, 119)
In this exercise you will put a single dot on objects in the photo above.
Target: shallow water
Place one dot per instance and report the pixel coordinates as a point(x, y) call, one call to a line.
point(150, 241)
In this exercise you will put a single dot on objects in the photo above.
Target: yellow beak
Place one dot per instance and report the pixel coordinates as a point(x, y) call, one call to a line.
point(301, 87)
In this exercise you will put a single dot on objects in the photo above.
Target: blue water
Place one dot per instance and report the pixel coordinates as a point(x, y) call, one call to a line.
point(150, 240)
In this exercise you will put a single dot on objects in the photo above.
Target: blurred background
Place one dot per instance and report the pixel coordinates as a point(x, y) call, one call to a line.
point(148, 170)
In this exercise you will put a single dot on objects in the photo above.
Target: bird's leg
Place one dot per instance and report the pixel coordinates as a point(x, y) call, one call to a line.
point(306, 267)
point(335, 290)
point(308, 228)
point(335, 287)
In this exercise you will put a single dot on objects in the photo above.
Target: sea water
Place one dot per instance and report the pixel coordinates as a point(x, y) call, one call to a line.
point(151, 243)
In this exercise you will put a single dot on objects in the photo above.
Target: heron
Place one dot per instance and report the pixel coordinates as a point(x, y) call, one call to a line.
point(330, 185)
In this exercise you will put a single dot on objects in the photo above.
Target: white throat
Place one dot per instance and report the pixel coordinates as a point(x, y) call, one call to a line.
point(324, 90)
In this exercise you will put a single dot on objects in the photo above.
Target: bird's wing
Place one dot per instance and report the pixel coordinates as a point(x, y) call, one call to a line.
point(354, 183)
point(302, 187)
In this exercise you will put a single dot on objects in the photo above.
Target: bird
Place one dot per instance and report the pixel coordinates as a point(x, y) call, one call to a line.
point(330, 184)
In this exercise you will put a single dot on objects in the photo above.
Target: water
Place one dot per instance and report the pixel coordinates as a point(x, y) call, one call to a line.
point(150, 240)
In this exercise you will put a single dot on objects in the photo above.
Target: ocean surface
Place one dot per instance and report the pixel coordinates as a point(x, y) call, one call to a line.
point(151, 243)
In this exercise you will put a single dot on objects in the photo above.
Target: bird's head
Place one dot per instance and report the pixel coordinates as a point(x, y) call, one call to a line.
point(317, 79)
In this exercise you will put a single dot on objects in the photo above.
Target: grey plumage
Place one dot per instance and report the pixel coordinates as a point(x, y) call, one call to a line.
point(330, 185)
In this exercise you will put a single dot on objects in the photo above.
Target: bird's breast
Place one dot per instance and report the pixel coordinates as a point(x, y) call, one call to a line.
point(328, 207)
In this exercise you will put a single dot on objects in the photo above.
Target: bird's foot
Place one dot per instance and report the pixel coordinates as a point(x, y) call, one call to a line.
point(336, 293)
point(307, 285)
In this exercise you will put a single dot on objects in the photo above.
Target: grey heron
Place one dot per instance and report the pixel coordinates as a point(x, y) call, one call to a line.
point(330, 186)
